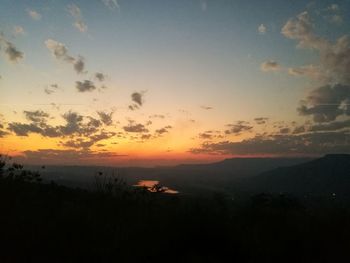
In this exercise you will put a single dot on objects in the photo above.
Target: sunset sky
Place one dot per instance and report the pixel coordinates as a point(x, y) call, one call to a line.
point(159, 82)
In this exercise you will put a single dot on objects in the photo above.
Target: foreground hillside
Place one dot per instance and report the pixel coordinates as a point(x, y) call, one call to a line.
point(51, 223)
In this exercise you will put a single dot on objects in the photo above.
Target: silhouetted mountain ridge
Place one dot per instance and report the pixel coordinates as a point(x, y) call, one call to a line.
point(329, 175)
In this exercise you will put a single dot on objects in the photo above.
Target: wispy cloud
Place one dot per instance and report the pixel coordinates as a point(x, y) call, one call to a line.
point(79, 23)
point(34, 14)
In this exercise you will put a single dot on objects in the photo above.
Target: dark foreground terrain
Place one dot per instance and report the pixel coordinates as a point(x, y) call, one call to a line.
point(117, 223)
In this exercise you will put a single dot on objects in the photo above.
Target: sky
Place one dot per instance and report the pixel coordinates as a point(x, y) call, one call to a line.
point(163, 82)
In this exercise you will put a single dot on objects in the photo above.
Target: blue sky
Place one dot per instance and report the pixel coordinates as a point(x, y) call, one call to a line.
point(181, 56)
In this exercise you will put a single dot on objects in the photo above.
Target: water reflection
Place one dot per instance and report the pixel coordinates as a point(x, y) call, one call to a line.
point(154, 186)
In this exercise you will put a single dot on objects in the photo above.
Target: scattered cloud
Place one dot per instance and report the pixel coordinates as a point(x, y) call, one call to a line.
point(106, 118)
point(135, 127)
point(238, 128)
point(313, 143)
point(261, 120)
point(51, 89)
point(262, 29)
point(85, 86)
point(137, 98)
point(75, 12)
point(34, 14)
point(60, 52)
point(163, 130)
point(206, 107)
point(100, 76)
point(18, 30)
point(269, 66)
point(111, 4)
point(12, 53)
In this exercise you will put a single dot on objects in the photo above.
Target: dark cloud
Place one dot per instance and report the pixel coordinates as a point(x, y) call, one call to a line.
point(22, 129)
point(206, 136)
point(238, 128)
point(146, 136)
point(285, 130)
point(261, 120)
point(51, 89)
point(137, 97)
point(2, 132)
point(326, 103)
point(88, 142)
point(135, 127)
point(79, 65)
point(100, 76)
point(50, 156)
point(60, 52)
point(332, 126)
point(36, 116)
point(106, 118)
point(206, 107)
point(313, 143)
point(159, 116)
point(163, 130)
point(11, 51)
point(85, 86)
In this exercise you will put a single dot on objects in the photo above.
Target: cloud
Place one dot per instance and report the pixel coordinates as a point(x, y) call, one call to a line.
point(206, 136)
point(51, 89)
point(326, 103)
point(51, 156)
point(87, 143)
point(159, 116)
point(206, 107)
point(301, 29)
point(163, 130)
point(12, 53)
point(262, 29)
point(106, 118)
point(21, 129)
point(135, 127)
point(60, 52)
point(100, 76)
point(314, 143)
point(75, 12)
point(111, 4)
point(85, 86)
point(261, 120)
point(37, 116)
point(238, 128)
point(79, 65)
point(333, 7)
point(18, 30)
point(137, 97)
point(311, 71)
point(270, 65)
point(332, 126)
point(34, 14)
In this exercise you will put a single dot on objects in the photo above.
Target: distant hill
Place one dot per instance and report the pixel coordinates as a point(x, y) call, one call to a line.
point(189, 178)
point(326, 176)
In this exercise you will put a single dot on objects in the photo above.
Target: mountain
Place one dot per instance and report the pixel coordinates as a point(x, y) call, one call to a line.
point(189, 178)
point(326, 176)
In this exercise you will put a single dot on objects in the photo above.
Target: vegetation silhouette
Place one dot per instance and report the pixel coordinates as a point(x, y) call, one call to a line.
point(114, 222)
